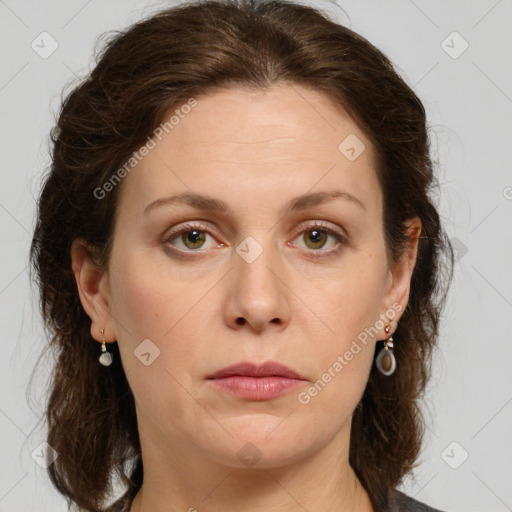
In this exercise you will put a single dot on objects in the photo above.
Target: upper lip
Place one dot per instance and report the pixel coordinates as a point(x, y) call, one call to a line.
point(248, 369)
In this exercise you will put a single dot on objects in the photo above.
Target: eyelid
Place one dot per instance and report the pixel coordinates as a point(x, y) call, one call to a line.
point(342, 239)
point(321, 225)
point(174, 232)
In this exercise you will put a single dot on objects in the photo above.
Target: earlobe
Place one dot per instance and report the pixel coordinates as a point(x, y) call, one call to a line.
point(92, 285)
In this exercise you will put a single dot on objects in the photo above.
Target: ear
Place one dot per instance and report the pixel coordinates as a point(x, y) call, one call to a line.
point(93, 289)
point(399, 278)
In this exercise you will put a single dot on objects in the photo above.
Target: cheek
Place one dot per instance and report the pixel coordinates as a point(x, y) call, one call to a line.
point(147, 300)
point(349, 306)
point(150, 314)
point(351, 299)
point(138, 305)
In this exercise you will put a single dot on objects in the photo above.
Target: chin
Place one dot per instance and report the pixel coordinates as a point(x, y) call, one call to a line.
point(265, 441)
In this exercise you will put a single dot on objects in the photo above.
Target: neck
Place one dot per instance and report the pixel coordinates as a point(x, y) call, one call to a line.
point(256, 493)
point(323, 481)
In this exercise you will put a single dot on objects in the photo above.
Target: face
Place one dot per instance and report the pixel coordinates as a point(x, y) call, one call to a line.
point(275, 252)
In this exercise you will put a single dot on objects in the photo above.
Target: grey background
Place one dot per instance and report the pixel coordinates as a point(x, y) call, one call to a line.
point(468, 97)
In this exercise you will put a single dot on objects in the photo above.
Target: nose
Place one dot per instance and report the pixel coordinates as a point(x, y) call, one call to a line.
point(258, 295)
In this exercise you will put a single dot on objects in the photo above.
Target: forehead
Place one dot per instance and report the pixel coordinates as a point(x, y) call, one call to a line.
point(273, 121)
point(288, 138)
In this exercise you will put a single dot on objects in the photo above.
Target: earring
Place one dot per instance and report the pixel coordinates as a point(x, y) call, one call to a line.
point(386, 362)
point(105, 357)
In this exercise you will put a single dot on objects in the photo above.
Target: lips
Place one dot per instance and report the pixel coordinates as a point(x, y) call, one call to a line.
point(250, 381)
point(248, 369)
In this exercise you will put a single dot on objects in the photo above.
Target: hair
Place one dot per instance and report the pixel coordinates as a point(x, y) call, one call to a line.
point(140, 74)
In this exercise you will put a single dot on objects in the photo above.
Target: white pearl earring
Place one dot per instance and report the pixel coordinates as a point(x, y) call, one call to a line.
point(105, 357)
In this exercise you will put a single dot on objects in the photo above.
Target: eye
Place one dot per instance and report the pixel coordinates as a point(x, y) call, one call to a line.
point(189, 237)
point(317, 236)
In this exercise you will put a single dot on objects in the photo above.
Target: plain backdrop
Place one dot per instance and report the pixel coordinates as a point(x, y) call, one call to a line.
point(456, 55)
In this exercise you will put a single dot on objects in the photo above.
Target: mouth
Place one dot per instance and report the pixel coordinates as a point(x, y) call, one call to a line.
point(256, 382)
point(248, 369)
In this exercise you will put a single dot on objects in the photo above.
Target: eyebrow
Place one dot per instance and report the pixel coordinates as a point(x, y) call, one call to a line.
point(206, 203)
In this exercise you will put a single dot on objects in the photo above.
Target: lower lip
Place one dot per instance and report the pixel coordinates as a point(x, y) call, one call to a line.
point(256, 388)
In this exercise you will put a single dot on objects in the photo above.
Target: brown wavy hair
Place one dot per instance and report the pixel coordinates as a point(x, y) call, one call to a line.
point(141, 73)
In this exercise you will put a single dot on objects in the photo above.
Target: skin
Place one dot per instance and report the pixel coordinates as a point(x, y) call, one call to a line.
point(254, 150)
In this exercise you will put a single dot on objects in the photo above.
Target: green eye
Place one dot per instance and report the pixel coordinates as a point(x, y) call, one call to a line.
point(315, 238)
point(193, 239)
point(318, 239)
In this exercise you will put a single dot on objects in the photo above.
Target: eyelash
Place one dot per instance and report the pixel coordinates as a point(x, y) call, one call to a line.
point(319, 225)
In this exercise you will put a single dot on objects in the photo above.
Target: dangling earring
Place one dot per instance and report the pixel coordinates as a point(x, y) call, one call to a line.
point(105, 357)
point(386, 362)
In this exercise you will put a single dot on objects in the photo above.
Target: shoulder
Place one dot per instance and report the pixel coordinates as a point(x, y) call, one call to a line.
point(400, 502)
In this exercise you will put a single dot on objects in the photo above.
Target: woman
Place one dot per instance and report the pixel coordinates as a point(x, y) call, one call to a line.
point(240, 264)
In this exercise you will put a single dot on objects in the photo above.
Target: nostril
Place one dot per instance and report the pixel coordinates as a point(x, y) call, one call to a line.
point(240, 321)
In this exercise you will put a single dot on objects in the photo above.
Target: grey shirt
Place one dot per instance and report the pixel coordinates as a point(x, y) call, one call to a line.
point(396, 502)
point(400, 502)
